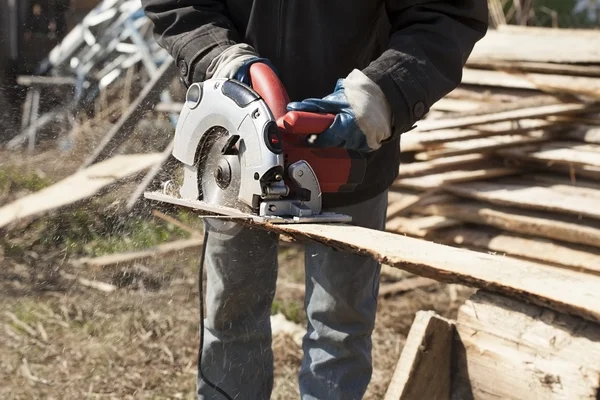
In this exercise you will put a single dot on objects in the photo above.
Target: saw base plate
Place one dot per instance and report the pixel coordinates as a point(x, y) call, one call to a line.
point(232, 213)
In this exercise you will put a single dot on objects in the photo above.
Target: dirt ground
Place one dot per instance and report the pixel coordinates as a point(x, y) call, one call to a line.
point(63, 340)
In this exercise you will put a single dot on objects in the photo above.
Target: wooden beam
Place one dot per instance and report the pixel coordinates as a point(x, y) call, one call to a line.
point(433, 181)
point(79, 186)
point(499, 44)
point(540, 67)
point(572, 230)
point(565, 291)
point(577, 258)
point(532, 112)
point(120, 131)
point(567, 200)
point(510, 350)
point(560, 152)
point(521, 80)
point(423, 370)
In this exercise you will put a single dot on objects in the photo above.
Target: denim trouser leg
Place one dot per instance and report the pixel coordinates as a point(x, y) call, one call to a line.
point(241, 272)
point(341, 303)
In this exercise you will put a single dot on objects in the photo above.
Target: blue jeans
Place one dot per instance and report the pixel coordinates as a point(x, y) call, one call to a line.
point(341, 303)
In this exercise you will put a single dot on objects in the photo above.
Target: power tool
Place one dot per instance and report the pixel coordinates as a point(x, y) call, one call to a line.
point(244, 156)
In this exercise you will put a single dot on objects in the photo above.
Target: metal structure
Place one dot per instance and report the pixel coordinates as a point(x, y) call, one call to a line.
point(113, 39)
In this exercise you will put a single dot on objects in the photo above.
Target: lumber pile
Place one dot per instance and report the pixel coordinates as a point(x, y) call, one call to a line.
point(509, 162)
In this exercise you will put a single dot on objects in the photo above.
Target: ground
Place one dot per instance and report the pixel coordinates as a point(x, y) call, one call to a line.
point(61, 339)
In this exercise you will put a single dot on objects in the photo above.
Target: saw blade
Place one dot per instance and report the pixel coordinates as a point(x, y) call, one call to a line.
point(219, 177)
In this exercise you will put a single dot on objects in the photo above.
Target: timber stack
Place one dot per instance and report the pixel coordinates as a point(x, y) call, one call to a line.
point(509, 162)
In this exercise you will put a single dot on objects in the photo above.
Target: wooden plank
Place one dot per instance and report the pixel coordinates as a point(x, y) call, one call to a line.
point(438, 165)
point(563, 290)
point(120, 131)
point(458, 176)
point(580, 47)
point(542, 328)
point(560, 152)
point(419, 226)
point(572, 200)
point(588, 134)
point(532, 112)
point(540, 67)
point(572, 230)
point(80, 186)
point(578, 258)
point(499, 128)
point(123, 259)
point(483, 145)
point(456, 105)
point(534, 81)
point(423, 370)
point(510, 350)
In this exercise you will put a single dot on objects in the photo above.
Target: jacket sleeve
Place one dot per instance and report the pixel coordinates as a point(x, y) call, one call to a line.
point(429, 46)
point(194, 32)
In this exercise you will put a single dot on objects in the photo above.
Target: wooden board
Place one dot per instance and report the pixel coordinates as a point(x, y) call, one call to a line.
point(533, 45)
point(531, 112)
point(122, 259)
point(510, 350)
point(561, 152)
point(579, 258)
point(535, 81)
point(483, 145)
point(79, 186)
point(562, 290)
point(533, 223)
point(563, 199)
point(423, 370)
point(565, 291)
point(541, 67)
point(460, 175)
point(419, 226)
point(439, 137)
point(588, 134)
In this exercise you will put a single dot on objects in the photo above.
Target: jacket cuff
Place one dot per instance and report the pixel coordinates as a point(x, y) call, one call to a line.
point(405, 95)
point(193, 61)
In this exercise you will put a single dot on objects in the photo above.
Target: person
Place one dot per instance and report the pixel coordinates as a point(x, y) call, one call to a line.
point(379, 65)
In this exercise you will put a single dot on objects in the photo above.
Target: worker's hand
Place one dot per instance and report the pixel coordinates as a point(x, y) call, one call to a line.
point(235, 62)
point(363, 115)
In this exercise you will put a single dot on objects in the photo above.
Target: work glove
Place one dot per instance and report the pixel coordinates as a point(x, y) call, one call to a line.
point(235, 62)
point(363, 116)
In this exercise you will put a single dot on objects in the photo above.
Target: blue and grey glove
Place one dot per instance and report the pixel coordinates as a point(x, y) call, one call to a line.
point(363, 115)
point(235, 62)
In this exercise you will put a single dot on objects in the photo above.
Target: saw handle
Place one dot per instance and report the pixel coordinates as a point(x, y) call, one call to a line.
point(267, 84)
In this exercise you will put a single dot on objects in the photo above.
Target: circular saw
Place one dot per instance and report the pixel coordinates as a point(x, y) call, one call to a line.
point(245, 156)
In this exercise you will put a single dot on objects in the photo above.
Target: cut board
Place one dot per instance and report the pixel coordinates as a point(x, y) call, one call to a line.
point(570, 200)
point(565, 291)
point(531, 81)
point(533, 45)
point(531, 112)
point(533, 223)
point(579, 258)
point(562, 152)
point(79, 186)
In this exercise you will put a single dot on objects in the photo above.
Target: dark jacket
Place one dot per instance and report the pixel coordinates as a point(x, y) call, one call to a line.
point(413, 49)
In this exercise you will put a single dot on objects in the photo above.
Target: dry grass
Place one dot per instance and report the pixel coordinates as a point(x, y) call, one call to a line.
point(140, 342)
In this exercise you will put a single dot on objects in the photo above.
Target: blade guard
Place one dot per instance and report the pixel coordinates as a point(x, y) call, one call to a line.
point(337, 170)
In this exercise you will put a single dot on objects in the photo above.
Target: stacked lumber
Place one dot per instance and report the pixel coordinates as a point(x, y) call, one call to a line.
point(509, 162)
